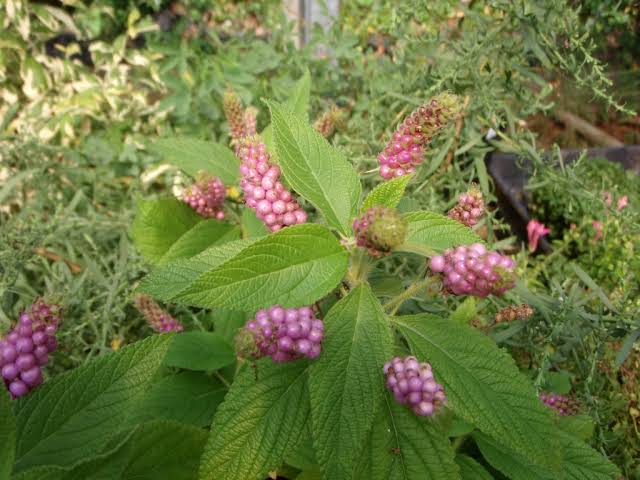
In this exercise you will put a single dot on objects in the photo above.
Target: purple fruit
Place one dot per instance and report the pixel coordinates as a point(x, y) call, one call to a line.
point(206, 196)
point(18, 388)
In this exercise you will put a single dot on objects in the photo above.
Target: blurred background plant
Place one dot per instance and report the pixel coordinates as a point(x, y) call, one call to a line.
point(86, 84)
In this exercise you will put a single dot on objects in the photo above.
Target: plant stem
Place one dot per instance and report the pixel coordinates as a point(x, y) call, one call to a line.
point(392, 305)
point(359, 268)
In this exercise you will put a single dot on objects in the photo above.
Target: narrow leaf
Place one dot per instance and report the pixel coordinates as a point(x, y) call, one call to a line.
point(346, 382)
point(7, 434)
point(193, 156)
point(589, 282)
point(483, 385)
point(75, 414)
point(295, 266)
point(387, 194)
point(263, 415)
point(626, 347)
point(199, 351)
point(431, 233)
point(471, 470)
point(314, 169)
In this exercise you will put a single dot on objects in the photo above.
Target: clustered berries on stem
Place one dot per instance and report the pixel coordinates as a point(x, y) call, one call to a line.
point(413, 384)
point(25, 350)
point(405, 150)
point(326, 124)
point(285, 334)
point(472, 270)
point(232, 107)
point(560, 403)
point(514, 312)
point(469, 208)
point(380, 229)
point(156, 317)
point(206, 197)
point(263, 191)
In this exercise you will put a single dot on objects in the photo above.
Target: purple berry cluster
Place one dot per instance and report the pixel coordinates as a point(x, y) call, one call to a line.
point(263, 191)
point(25, 350)
point(206, 197)
point(469, 208)
point(156, 317)
point(413, 384)
point(472, 270)
point(560, 403)
point(380, 230)
point(285, 334)
point(405, 150)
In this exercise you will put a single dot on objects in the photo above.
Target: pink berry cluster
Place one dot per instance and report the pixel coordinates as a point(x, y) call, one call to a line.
point(412, 384)
point(206, 197)
point(560, 403)
point(250, 122)
point(156, 317)
point(472, 270)
point(285, 334)
point(233, 110)
point(25, 350)
point(263, 191)
point(405, 150)
point(469, 208)
point(380, 229)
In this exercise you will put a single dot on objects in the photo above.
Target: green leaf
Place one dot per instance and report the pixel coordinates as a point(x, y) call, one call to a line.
point(159, 224)
point(295, 266)
point(404, 446)
point(314, 169)
point(262, 417)
point(199, 351)
point(471, 470)
point(513, 465)
point(580, 426)
point(627, 346)
point(227, 322)
point(387, 194)
point(483, 385)
point(252, 226)
point(465, 312)
point(7, 434)
point(194, 156)
point(589, 282)
point(431, 233)
point(346, 382)
point(167, 281)
point(186, 397)
point(203, 235)
point(73, 415)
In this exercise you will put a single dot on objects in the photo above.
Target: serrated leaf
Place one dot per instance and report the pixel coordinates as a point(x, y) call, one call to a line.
point(7, 434)
point(167, 281)
point(227, 322)
point(431, 233)
point(199, 351)
point(580, 426)
point(73, 415)
point(471, 470)
point(511, 464)
point(203, 235)
point(252, 226)
point(404, 446)
point(185, 397)
point(293, 267)
point(314, 169)
point(346, 382)
point(263, 416)
point(387, 194)
point(159, 224)
point(483, 385)
point(194, 156)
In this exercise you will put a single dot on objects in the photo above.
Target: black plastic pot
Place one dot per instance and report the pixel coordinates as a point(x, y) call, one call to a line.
point(511, 174)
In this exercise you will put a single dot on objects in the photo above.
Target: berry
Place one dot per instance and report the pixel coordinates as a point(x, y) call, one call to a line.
point(27, 347)
point(413, 384)
point(469, 208)
point(513, 312)
point(155, 316)
point(405, 150)
point(233, 110)
point(380, 230)
point(263, 191)
point(472, 270)
point(560, 403)
point(250, 122)
point(284, 334)
point(206, 197)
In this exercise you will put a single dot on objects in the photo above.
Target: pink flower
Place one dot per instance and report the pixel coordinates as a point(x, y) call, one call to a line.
point(598, 226)
point(535, 231)
point(622, 202)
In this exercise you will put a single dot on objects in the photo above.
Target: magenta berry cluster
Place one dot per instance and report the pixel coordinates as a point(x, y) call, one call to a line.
point(285, 334)
point(157, 318)
point(380, 229)
point(25, 350)
point(469, 208)
point(206, 197)
point(405, 150)
point(472, 270)
point(263, 191)
point(413, 384)
point(560, 403)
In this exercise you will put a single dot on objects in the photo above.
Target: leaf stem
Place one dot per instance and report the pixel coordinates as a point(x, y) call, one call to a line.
point(392, 305)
